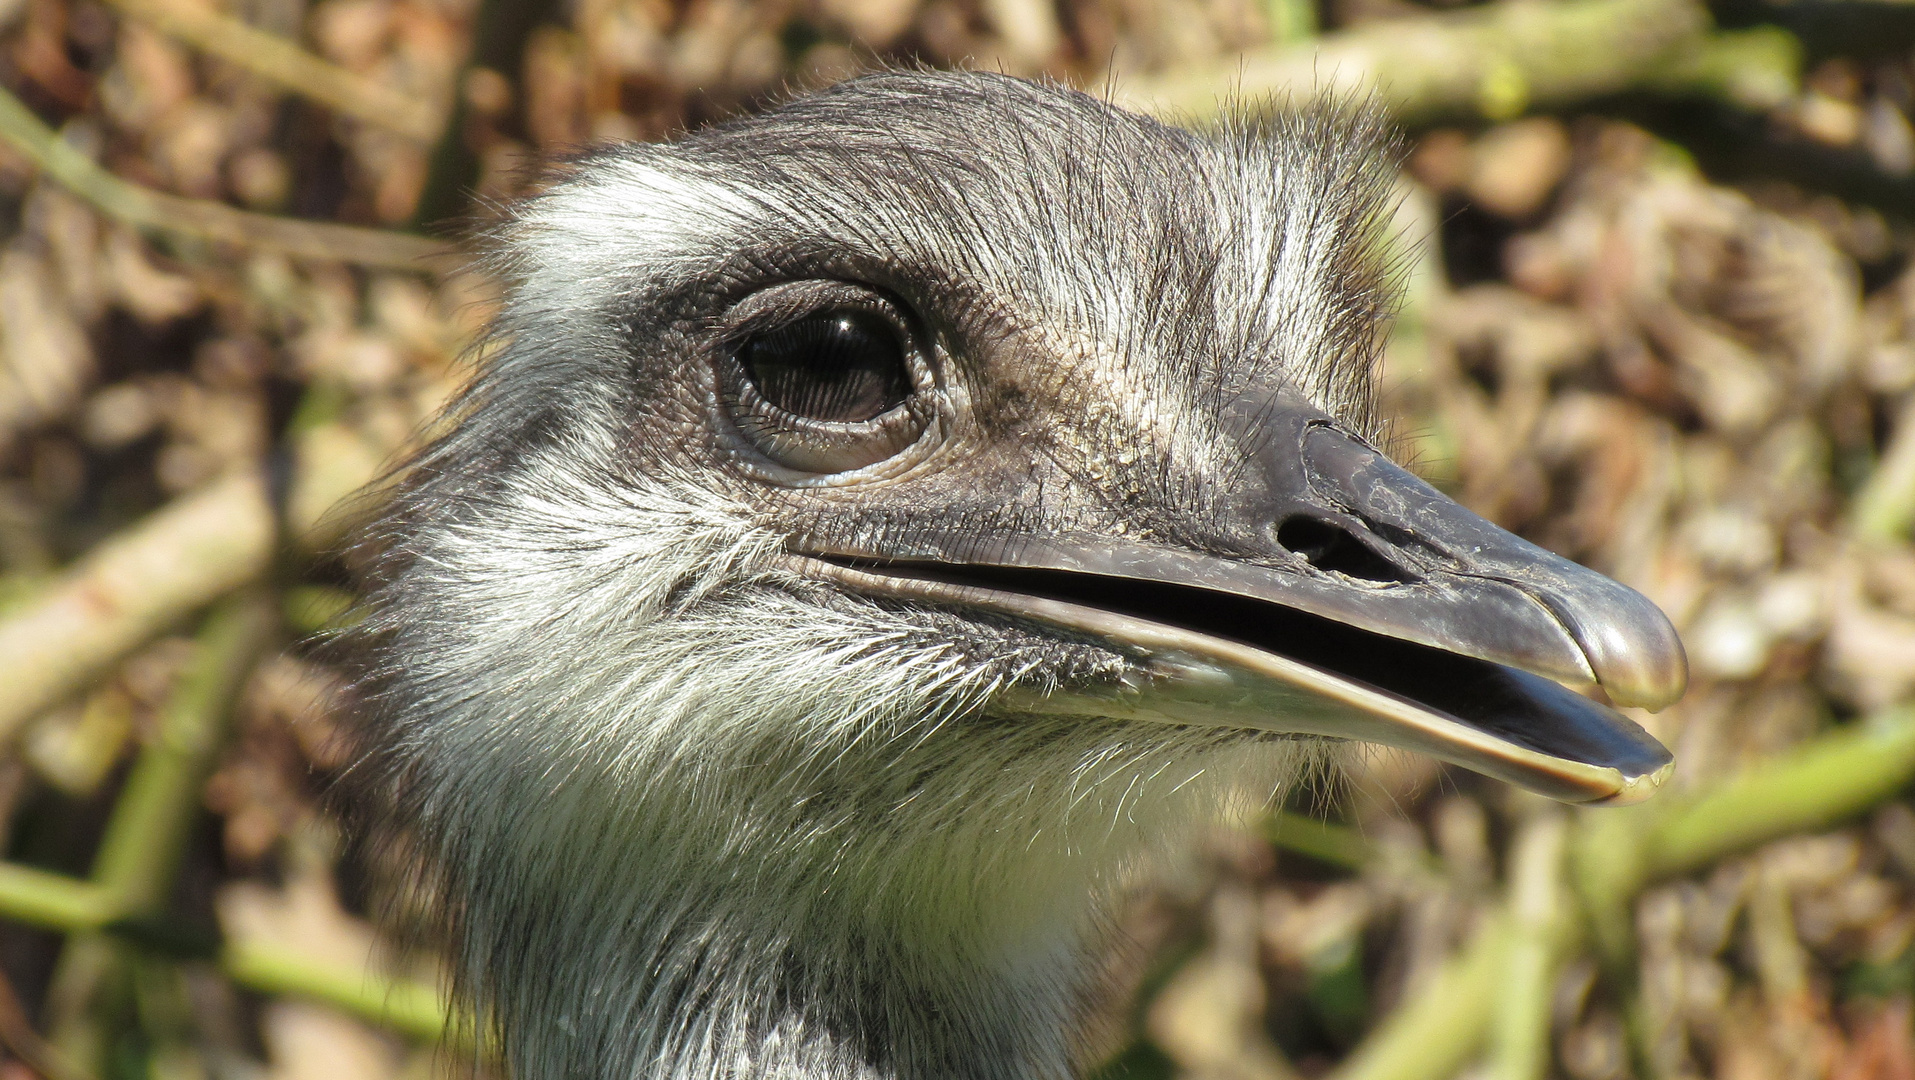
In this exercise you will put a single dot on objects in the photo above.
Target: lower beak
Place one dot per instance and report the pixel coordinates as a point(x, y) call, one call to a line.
point(1491, 718)
point(1355, 602)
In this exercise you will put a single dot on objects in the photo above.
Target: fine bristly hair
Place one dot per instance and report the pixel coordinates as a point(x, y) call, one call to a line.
point(687, 815)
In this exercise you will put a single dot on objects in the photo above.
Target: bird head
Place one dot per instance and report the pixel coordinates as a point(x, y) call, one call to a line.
point(948, 446)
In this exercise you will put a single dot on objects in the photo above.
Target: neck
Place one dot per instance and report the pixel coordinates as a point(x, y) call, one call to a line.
point(933, 915)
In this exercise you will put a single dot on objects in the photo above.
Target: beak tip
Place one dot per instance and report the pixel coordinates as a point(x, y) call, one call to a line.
point(1651, 688)
point(1638, 658)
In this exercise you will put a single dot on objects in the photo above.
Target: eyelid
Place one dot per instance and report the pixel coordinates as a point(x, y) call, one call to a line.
point(803, 443)
point(770, 308)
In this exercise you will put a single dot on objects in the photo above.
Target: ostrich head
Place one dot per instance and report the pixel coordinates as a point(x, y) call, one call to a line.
point(887, 522)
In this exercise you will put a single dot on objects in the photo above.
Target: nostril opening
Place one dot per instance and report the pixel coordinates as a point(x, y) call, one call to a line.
point(1329, 547)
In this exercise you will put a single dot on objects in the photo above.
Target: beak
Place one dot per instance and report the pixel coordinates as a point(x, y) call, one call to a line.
point(1332, 593)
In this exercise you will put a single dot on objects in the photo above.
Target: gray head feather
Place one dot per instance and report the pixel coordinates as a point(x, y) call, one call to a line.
point(690, 815)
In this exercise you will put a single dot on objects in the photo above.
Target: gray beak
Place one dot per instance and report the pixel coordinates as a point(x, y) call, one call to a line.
point(1336, 595)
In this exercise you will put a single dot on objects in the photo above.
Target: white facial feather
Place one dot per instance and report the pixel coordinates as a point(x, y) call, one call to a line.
point(672, 215)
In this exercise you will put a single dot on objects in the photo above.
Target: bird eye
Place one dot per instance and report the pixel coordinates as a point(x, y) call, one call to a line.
point(824, 378)
point(844, 366)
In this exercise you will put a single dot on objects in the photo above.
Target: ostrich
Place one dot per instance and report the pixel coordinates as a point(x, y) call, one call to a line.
point(885, 525)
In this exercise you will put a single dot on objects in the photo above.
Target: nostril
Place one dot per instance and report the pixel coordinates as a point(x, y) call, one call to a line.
point(1330, 547)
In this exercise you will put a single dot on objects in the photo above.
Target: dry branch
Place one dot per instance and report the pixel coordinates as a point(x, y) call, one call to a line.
point(130, 589)
point(1495, 62)
point(280, 61)
point(155, 573)
point(200, 219)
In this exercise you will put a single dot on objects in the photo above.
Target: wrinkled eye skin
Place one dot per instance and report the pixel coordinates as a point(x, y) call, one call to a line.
point(824, 381)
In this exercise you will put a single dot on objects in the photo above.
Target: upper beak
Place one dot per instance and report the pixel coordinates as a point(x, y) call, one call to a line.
point(1336, 594)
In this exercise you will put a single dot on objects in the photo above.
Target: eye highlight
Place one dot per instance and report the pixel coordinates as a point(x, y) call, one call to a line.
point(842, 365)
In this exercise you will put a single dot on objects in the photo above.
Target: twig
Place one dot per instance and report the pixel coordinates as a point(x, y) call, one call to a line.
point(128, 590)
point(280, 61)
point(1494, 62)
point(201, 219)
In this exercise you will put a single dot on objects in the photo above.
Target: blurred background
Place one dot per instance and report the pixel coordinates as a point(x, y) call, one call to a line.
point(1659, 316)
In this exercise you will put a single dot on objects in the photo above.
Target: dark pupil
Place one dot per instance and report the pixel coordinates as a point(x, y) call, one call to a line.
point(835, 365)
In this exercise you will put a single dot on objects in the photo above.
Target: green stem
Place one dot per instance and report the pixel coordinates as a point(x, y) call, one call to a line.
point(1609, 870)
point(53, 901)
point(1442, 1022)
point(1757, 69)
point(1884, 507)
point(1621, 852)
point(1825, 781)
point(405, 1006)
point(1337, 845)
point(1291, 21)
point(58, 902)
point(1519, 1043)
point(153, 817)
point(1494, 61)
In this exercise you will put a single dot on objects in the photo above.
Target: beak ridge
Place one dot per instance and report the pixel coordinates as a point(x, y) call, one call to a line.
point(1332, 593)
point(1625, 643)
